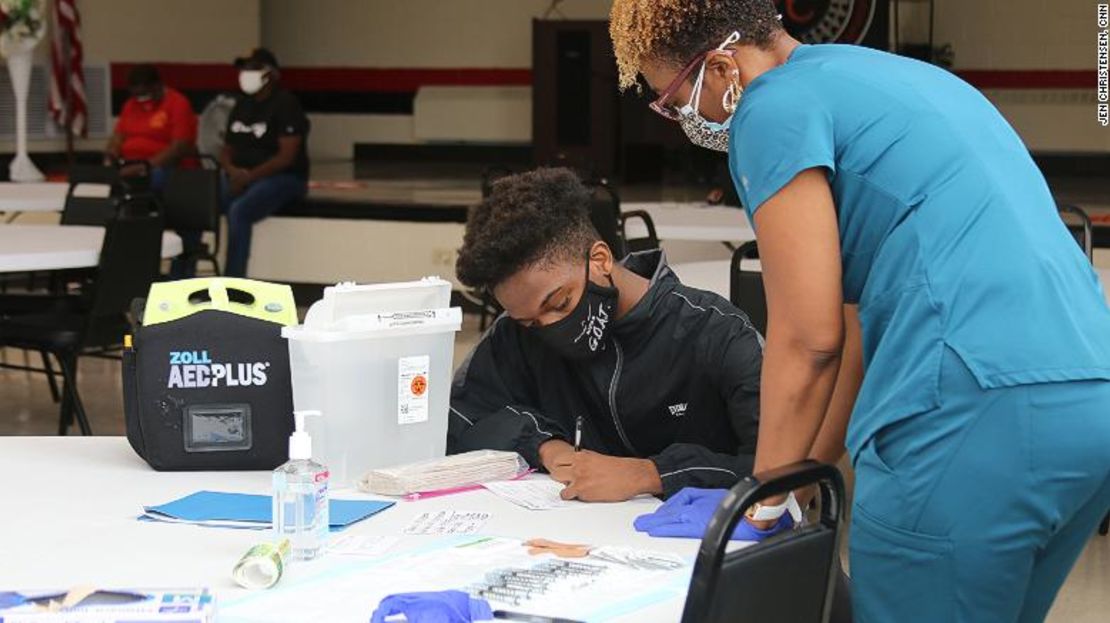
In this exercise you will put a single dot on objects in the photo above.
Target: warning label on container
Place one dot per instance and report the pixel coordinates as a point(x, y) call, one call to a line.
point(412, 389)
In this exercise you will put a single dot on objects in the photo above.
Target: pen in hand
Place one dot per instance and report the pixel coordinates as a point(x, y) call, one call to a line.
point(578, 434)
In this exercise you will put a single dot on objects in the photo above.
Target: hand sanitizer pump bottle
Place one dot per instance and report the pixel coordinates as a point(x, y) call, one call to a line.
point(301, 496)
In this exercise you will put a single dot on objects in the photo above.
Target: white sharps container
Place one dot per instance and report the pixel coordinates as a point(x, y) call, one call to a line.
point(377, 359)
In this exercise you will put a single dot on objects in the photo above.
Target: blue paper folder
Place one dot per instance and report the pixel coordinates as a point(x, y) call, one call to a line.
point(242, 510)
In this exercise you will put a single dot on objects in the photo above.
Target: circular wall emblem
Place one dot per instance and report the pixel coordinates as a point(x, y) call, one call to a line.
point(827, 21)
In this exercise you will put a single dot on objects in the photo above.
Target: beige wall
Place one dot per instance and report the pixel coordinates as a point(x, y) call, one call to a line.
point(1019, 34)
point(1029, 34)
point(986, 34)
point(193, 31)
point(410, 33)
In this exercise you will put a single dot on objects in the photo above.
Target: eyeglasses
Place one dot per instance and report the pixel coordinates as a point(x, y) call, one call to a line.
point(661, 105)
point(669, 111)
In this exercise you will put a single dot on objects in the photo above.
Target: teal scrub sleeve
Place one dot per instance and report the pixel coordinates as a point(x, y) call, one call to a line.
point(779, 132)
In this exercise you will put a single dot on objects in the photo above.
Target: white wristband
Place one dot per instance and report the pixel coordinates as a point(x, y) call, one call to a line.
point(769, 513)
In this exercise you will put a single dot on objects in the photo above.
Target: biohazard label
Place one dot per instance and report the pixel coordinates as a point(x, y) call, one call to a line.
point(412, 389)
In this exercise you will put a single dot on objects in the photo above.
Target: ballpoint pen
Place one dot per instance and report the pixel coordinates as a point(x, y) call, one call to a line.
point(578, 434)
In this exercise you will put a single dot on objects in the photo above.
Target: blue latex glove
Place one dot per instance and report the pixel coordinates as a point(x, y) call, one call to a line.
point(686, 515)
point(11, 600)
point(435, 607)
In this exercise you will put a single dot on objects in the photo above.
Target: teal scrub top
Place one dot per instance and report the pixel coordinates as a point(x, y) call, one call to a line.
point(949, 233)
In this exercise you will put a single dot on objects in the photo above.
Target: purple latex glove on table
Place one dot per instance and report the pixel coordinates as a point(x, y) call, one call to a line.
point(686, 515)
point(434, 607)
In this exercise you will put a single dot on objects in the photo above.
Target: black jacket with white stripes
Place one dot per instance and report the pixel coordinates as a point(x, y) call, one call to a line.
point(678, 384)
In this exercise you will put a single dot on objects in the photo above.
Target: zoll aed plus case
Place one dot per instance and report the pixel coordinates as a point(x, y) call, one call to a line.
point(206, 375)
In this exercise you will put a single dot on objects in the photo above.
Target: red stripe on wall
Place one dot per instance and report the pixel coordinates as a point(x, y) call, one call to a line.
point(214, 77)
point(1030, 78)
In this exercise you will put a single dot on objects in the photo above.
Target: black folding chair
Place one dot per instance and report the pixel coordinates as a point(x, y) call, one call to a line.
point(605, 214)
point(79, 210)
point(191, 202)
point(492, 174)
point(647, 242)
point(93, 174)
point(95, 319)
point(746, 286)
point(1079, 224)
point(790, 577)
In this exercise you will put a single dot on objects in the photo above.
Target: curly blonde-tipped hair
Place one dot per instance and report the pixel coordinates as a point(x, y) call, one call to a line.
point(675, 31)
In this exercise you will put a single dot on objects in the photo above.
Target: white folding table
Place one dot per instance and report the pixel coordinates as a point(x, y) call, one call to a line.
point(712, 275)
point(692, 222)
point(70, 518)
point(32, 197)
point(25, 248)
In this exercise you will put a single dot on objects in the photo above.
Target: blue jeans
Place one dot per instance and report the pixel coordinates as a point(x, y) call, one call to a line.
point(158, 177)
point(259, 200)
point(977, 509)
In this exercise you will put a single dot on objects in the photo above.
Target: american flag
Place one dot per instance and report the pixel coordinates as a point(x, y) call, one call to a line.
point(67, 38)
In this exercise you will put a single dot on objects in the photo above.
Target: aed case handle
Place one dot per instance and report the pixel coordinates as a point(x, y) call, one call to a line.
point(217, 293)
point(174, 300)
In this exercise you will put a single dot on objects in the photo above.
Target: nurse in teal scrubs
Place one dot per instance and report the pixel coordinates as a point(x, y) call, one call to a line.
point(918, 280)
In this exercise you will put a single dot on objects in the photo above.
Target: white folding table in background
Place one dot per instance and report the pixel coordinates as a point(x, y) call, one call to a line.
point(25, 248)
point(698, 222)
point(713, 276)
point(31, 197)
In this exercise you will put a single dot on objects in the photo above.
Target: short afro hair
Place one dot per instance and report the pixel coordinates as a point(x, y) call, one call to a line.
point(529, 218)
point(675, 31)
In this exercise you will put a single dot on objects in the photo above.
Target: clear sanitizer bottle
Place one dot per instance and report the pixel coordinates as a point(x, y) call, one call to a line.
point(301, 496)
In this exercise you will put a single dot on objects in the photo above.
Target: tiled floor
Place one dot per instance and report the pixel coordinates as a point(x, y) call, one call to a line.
point(26, 409)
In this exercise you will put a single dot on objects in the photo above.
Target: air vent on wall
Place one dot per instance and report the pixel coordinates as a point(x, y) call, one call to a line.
point(39, 123)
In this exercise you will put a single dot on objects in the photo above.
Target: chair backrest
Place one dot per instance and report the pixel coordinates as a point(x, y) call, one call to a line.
point(605, 214)
point(1079, 224)
point(88, 210)
point(491, 175)
point(130, 260)
point(93, 174)
point(191, 200)
point(643, 243)
point(746, 286)
point(789, 577)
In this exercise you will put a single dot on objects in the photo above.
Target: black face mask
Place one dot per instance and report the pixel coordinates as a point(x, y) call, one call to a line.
point(584, 333)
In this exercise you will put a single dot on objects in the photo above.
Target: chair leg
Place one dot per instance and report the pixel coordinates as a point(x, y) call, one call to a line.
point(65, 412)
point(50, 379)
point(69, 370)
point(1104, 528)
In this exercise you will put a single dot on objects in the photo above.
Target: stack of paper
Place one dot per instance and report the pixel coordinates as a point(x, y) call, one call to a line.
point(451, 472)
point(251, 512)
point(537, 495)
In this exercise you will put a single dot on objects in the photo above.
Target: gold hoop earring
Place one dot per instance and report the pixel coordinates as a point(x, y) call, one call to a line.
point(731, 98)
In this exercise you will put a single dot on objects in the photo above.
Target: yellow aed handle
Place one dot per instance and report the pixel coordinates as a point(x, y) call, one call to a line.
point(174, 300)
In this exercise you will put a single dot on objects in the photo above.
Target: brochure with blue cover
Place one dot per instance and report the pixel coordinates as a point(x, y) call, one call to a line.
point(251, 512)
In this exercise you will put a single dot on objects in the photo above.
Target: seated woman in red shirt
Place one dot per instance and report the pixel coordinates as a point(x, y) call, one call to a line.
point(157, 124)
